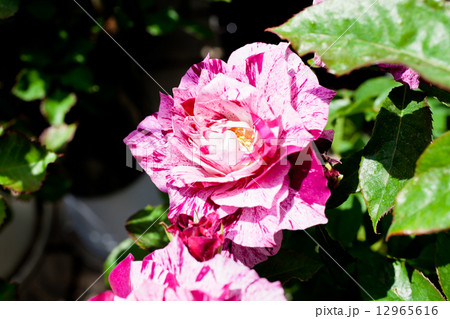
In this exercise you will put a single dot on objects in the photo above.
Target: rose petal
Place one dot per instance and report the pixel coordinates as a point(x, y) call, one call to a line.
point(251, 256)
point(305, 205)
point(403, 74)
point(261, 193)
point(104, 296)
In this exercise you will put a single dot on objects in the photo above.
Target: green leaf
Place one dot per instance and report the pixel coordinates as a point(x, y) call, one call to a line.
point(352, 34)
point(443, 262)
point(392, 282)
point(441, 115)
point(424, 262)
point(339, 103)
point(56, 106)
point(288, 264)
point(144, 227)
point(438, 4)
point(401, 288)
point(430, 90)
point(163, 21)
point(22, 163)
point(56, 137)
point(370, 95)
point(402, 132)
point(374, 87)
point(54, 188)
point(8, 8)
point(436, 155)
point(6, 125)
point(344, 221)
point(119, 253)
point(41, 9)
point(422, 206)
point(30, 85)
point(349, 183)
point(422, 288)
point(197, 29)
point(2, 211)
point(79, 78)
point(7, 291)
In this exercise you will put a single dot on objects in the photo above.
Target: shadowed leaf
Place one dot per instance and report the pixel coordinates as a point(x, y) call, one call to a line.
point(402, 132)
point(8, 8)
point(443, 262)
point(349, 183)
point(345, 221)
point(288, 264)
point(7, 291)
point(392, 282)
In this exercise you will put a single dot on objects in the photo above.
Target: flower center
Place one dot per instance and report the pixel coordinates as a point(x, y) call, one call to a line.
point(245, 136)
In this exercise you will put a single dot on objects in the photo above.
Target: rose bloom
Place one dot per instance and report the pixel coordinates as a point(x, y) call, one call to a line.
point(237, 139)
point(173, 274)
point(203, 238)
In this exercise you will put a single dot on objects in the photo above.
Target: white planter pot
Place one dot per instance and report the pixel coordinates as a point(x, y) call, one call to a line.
point(22, 241)
point(100, 222)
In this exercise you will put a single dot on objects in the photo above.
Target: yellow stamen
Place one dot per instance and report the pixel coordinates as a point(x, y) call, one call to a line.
point(245, 136)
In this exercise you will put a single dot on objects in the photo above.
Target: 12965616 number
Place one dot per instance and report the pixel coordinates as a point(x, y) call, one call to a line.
point(407, 310)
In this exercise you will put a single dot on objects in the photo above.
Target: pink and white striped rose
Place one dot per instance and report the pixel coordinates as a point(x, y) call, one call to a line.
point(173, 274)
point(236, 139)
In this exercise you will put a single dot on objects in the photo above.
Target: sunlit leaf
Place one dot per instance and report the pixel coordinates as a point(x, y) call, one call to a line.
point(56, 137)
point(423, 289)
point(56, 106)
point(435, 156)
point(144, 227)
point(441, 115)
point(352, 34)
point(422, 206)
point(22, 163)
point(30, 85)
point(369, 96)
